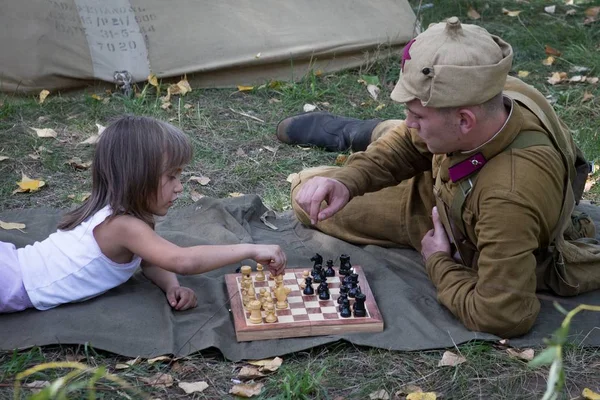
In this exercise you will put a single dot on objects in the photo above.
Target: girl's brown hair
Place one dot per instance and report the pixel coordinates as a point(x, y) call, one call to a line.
point(131, 155)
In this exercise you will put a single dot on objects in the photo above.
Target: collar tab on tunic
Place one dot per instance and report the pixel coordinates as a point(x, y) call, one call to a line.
point(467, 167)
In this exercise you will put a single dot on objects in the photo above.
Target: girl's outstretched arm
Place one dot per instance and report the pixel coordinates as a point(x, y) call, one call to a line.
point(140, 239)
point(180, 298)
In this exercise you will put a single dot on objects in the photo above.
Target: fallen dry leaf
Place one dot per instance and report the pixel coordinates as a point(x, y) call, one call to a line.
point(526, 354)
point(195, 196)
point(76, 163)
point(193, 387)
point(422, 396)
point(572, 11)
point(291, 177)
point(593, 80)
point(159, 380)
point(203, 180)
point(166, 105)
point(240, 152)
point(269, 364)
point(2, 158)
point(523, 74)
point(245, 88)
point(34, 156)
point(589, 183)
point(274, 100)
point(557, 77)
point(36, 386)
point(373, 91)
point(236, 194)
point(407, 389)
point(184, 86)
point(577, 78)
point(551, 51)
point(122, 366)
point(153, 80)
point(28, 185)
point(246, 389)
point(589, 394)
point(379, 107)
point(43, 94)
point(592, 12)
point(449, 359)
point(550, 9)
point(309, 107)
point(96, 97)
point(45, 133)
point(271, 149)
point(341, 159)
point(381, 394)
point(587, 96)
point(159, 358)
point(473, 14)
point(511, 13)
point(81, 197)
point(549, 61)
point(11, 225)
point(250, 373)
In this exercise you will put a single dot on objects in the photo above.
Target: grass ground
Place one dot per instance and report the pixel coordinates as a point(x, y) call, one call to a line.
point(233, 135)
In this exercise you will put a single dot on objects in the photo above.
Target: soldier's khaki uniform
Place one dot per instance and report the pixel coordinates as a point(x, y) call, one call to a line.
point(509, 215)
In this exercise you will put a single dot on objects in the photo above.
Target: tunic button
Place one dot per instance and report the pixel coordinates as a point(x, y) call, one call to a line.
point(475, 162)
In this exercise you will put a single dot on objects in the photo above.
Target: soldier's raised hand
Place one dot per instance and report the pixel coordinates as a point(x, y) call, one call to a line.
point(435, 240)
point(319, 189)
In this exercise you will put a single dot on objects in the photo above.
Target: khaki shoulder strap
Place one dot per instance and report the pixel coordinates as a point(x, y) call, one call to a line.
point(523, 140)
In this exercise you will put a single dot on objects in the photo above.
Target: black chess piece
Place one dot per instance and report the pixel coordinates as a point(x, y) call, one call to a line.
point(308, 289)
point(317, 259)
point(343, 295)
point(324, 295)
point(345, 309)
point(317, 273)
point(330, 271)
point(354, 278)
point(323, 275)
point(345, 265)
point(359, 305)
point(358, 290)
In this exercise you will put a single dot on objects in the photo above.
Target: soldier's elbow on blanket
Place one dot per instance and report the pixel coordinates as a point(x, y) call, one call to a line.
point(501, 321)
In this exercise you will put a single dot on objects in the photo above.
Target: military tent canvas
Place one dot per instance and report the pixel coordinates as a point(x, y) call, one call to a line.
point(60, 44)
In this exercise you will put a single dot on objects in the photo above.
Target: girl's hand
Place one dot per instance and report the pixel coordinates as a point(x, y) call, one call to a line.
point(181, 298)
point(272, 257)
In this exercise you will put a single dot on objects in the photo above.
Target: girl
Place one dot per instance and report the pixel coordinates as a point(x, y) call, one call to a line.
point(136, 175)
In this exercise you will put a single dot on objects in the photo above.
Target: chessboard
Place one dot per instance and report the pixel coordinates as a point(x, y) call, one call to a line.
point(306, 315)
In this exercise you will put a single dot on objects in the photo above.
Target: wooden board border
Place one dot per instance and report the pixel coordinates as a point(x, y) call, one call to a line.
point(245, 332)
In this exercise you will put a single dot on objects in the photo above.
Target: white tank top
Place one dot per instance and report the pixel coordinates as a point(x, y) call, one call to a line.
point(69, 266)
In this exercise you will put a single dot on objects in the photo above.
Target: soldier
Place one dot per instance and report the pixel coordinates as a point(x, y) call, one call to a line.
point(481, 178)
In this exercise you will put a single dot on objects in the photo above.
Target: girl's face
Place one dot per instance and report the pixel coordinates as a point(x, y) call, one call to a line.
point(168, 190)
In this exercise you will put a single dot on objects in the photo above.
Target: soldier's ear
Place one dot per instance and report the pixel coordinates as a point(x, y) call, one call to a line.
point(467, 120)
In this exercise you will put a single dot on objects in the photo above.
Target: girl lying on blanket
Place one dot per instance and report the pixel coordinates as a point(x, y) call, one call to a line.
point(136, 175)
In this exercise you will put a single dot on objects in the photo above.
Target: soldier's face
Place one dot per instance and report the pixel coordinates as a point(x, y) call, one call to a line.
point(439, 129)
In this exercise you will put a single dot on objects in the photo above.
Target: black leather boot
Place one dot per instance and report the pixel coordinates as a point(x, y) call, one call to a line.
point(326, 130)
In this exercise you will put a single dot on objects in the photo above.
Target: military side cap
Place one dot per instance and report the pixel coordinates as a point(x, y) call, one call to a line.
point(452, 65)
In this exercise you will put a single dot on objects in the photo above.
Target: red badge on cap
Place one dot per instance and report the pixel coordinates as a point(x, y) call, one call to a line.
point(406, 54)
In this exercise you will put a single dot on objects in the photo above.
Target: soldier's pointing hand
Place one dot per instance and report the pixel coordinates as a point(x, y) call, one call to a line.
point(319, 189)
point(435, 240)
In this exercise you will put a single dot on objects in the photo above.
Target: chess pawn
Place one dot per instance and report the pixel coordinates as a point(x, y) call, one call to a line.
point(270, 317)
point(330, 271)
point(251, 291)
point(255, 313)
point(345, 309)
point(281, 294)
point(261, 295)
point(245, 298)
point(308, 289)
point(343, 295)
point(305, 275)
point(260, 275)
